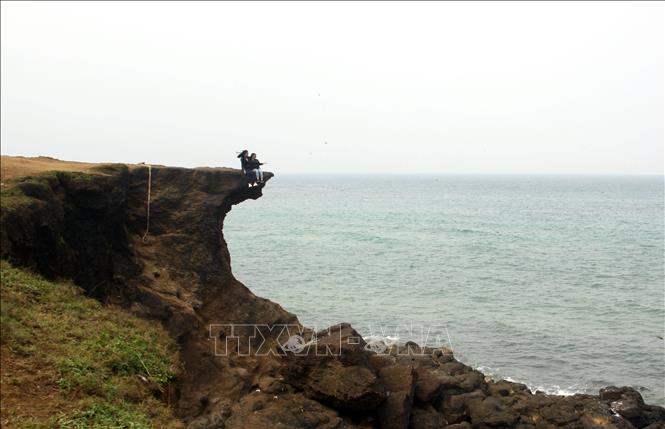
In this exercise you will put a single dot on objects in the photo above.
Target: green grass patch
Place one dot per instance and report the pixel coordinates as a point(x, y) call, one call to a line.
point(13, 194)
point(106, 364)
point(12, 197)
point(14, 191)
point(20, 192)
point(103, 415)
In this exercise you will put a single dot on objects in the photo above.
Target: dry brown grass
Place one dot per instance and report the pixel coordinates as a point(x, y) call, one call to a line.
point(12, 167)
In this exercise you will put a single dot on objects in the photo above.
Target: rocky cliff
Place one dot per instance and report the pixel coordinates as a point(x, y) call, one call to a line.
point(241, 369)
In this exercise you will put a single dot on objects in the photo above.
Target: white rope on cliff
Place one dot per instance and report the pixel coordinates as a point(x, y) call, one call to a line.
point(147, 225)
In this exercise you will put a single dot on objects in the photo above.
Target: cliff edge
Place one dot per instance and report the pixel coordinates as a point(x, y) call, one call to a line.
point(170, 263)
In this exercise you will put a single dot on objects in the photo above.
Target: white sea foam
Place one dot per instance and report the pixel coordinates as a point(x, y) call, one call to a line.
point(558, 390)
point(380, 340)
point(549, 389)
point(387, 339)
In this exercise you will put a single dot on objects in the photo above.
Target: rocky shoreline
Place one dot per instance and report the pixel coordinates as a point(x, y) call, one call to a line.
point(90, 227)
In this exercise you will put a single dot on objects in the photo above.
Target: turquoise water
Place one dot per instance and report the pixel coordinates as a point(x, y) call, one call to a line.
point(553, 281)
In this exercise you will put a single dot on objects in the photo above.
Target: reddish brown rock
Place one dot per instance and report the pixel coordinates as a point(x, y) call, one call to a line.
point(399, 382)
point(434, 382)
point(506, 388)
point(454, 407)
point(259, 411)
point(349, 387)
point(427, 417)
point(463, 425)
point(490, 411)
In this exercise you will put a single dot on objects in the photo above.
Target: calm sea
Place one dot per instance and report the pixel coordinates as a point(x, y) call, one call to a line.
point(552, 281)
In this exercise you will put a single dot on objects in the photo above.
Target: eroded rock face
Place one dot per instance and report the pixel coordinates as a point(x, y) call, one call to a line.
point(72, 226)
point(91, 229)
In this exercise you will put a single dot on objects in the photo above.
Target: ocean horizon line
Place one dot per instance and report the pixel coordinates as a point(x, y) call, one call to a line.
point(486, 174)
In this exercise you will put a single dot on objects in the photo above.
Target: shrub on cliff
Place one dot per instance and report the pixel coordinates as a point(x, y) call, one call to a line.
point(70, 362)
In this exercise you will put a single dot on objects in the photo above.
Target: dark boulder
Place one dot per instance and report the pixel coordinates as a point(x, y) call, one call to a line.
point(335, 370)
point(490, 412)
point(434, 382)
point(427, 417)
point(628, 403)
point(291, 411)
point(399, 382)
point(454, 407)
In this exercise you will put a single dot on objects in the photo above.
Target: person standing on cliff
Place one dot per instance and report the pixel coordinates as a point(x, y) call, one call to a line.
point(255, 166)
point(246, 169)
point(244, 157)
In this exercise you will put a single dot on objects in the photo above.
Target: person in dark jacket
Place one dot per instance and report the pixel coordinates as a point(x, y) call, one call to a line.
point(255, 165)
point(244, 157)
point(247, 170)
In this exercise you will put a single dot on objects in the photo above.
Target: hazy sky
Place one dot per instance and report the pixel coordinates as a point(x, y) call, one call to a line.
point(399, 87)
